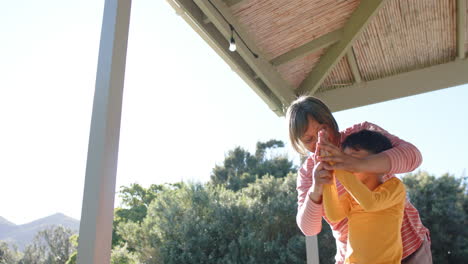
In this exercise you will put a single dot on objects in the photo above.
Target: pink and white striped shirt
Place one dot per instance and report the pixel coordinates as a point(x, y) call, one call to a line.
point(404, 157)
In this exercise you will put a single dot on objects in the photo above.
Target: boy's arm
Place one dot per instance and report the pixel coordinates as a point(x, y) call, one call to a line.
point(388, 195)
point(335, 208)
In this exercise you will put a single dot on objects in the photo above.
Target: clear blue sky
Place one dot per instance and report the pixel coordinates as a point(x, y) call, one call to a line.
point(183, 107)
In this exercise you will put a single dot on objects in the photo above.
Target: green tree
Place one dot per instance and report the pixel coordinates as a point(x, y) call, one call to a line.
point(34, 254)
point(210, 224)
point(240, 167)
point(121, 255)
point(51, 245)
point(135, 201)
point(8, 255)
point(74, 255)
point(72, 258)
point(442, 205)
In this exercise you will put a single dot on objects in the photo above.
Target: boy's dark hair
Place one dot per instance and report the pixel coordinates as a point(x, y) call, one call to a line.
point(371, 141)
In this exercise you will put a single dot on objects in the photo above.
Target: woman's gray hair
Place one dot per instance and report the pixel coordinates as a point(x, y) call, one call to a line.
point(297, 114)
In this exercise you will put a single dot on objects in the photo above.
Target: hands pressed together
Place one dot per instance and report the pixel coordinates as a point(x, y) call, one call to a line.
point(335, 159)
point(329, 157)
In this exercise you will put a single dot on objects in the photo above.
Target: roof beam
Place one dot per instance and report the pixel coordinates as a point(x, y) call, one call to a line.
point(220, 15)
point(192, 14)
point(397, 86)
point(461, 30)
point(309, 48)
point(353, 65)
point(355, 25)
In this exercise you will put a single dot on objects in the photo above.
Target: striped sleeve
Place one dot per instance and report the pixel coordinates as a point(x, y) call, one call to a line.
point(309, 214)
point(413, 232)
point(404, 156)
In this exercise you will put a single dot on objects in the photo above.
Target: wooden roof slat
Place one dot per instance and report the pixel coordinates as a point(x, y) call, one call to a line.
point(353, 65)
point(308, 48)
point(461, 30)
point(355, 25)
point(218, 13)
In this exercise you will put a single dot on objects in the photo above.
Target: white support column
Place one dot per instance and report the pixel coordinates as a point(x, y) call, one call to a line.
point(312, 250)
point(99, 190)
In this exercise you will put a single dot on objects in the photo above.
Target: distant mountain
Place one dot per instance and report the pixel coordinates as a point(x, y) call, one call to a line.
point(3, 221)
point(5, 225)
point(22, 235)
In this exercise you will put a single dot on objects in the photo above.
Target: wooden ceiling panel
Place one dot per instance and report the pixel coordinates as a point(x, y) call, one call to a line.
point(294, 72)
point(407, 35)
point(340, 76)
point(282, 25)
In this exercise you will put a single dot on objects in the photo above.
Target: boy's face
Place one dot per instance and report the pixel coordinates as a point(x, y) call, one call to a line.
point(358, 153)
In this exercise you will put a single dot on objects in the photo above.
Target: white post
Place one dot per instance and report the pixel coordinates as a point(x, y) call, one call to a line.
point(99, 189)
point(312, 250)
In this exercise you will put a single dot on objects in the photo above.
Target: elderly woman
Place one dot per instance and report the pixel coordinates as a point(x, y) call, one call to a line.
point(306, 117)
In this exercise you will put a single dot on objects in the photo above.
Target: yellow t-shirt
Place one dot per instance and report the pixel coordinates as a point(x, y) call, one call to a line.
point(374, 218)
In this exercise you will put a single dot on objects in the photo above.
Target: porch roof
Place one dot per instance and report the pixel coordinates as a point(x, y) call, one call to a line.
point(350, 53)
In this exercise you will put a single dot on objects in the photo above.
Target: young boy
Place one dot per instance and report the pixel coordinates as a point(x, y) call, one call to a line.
point(374, 208)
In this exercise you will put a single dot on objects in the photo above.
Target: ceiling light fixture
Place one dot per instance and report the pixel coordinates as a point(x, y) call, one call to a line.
point(232, 42)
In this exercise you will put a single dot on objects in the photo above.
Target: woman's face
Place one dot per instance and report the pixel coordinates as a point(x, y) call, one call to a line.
point(310, 137)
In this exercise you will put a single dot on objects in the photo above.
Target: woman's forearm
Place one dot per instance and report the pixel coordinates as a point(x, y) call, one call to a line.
point(378, 163)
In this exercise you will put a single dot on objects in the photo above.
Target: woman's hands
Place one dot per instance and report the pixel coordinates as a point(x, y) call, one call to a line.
point(337, 160)
point(320, 176)
point(334, 159)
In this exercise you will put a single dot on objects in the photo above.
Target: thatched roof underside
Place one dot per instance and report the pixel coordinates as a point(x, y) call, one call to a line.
point(400, 36)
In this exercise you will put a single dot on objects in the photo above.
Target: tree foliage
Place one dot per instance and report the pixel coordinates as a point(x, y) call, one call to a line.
point(50, 246)
point(211, 224)
point(8, 254)
point(121, 255)
point(240, 167)
point(135, 201)
point(442, 205)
